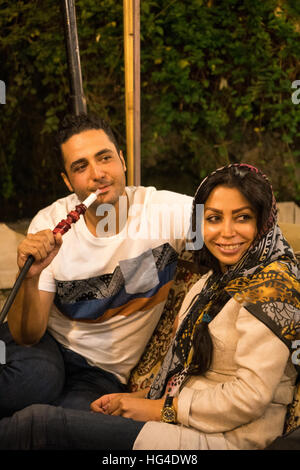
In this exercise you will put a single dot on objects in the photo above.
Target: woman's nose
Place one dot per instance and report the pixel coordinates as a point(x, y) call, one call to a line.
point(228, 228)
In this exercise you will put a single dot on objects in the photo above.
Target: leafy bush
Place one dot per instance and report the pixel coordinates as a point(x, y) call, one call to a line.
point(215, 83)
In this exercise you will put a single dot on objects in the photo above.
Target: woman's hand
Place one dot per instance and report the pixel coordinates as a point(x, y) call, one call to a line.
point(124, 404)
point(139, 409)
point(101, 404)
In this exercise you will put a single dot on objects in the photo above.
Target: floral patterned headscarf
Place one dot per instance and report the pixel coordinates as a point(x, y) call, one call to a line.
point(265, 281)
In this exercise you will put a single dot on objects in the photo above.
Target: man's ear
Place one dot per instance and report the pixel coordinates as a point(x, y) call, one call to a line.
point(67, 182)
point(123, 161)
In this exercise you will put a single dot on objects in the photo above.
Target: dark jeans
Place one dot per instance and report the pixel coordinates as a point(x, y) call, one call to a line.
point(44, 427)
point(48, 373)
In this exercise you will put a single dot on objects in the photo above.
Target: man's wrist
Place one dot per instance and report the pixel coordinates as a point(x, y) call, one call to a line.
point(31, 283)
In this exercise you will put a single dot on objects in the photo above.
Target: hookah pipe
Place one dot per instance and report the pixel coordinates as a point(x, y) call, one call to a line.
point(62, 227)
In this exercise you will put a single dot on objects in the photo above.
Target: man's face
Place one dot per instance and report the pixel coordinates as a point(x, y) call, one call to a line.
point(92, 162)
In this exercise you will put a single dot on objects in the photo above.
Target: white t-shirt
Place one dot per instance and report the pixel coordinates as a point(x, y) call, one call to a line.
point(110, 291)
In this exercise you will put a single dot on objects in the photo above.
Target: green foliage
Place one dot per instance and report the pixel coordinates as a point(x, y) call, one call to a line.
point(224, 70)
point(215, 84)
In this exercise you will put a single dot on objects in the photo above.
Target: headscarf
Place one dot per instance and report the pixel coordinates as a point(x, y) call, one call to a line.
point(265, 281)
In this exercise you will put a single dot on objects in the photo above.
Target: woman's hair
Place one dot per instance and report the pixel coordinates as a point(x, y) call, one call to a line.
point(253, 185)
point(256, 188)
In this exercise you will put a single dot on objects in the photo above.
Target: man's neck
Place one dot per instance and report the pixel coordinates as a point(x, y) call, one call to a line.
point(97, 224)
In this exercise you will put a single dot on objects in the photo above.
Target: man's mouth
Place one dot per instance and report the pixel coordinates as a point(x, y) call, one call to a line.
point(102, 189)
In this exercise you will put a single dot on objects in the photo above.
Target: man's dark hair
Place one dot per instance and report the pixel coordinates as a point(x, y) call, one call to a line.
point(75, 124)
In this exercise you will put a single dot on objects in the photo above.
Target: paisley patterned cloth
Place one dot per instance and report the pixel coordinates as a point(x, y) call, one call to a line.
point(265, 281)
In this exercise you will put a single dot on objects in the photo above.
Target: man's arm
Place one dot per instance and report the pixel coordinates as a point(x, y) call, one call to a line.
point(28, 316)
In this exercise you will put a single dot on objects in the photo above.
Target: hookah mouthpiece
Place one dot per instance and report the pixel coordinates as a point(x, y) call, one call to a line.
point(64, 225)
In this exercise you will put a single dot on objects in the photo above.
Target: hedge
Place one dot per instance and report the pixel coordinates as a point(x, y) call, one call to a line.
point(216, 87)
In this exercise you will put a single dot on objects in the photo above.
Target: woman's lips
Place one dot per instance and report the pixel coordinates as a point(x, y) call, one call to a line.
point(229, 249)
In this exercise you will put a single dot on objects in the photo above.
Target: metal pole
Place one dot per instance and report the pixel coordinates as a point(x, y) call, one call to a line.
point(78, 101)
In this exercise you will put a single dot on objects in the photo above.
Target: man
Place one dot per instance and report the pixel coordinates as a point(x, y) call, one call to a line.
point(92, 298)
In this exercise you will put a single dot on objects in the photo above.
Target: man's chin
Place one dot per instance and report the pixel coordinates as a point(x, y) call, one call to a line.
point(106, 199)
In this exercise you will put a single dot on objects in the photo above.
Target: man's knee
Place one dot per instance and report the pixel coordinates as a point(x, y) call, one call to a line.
point(30, 375)
point(45, 424)
point(26, 429)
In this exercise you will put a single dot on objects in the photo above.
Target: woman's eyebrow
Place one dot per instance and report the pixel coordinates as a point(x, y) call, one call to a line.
point(234, 211)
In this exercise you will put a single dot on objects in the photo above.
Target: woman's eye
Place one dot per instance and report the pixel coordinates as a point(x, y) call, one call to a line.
point(213, 219)
point(244, 217)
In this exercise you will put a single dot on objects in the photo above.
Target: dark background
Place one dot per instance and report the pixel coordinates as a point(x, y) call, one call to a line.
point(216, 87)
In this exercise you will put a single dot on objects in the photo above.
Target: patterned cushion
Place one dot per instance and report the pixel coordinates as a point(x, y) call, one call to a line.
point(185, 276)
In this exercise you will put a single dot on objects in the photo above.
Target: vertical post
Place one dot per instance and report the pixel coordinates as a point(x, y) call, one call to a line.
point(128, 57)
point(137, 93)
point(78, 101)
point(132, 88)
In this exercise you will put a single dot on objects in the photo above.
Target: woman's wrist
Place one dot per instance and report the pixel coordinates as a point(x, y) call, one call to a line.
point(141, 393)
point(169, 410)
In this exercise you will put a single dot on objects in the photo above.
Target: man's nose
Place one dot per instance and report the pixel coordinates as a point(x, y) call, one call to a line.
point(96, 171)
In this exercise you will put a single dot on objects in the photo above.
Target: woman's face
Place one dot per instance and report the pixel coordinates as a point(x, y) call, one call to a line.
point(230, 225)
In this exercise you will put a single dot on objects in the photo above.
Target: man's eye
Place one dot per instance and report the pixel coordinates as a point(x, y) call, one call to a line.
point(79, 168)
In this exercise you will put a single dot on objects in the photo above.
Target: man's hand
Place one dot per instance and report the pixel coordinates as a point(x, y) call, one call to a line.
point(124, 404)
point(44, 246)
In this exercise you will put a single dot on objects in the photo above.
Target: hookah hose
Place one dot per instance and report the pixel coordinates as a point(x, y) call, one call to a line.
point(62, 227)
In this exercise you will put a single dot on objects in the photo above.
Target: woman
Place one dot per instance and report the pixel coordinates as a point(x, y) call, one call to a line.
point(227, 378)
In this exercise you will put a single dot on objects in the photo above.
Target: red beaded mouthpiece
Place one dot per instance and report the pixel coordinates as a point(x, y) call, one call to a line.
point(64, 225)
